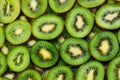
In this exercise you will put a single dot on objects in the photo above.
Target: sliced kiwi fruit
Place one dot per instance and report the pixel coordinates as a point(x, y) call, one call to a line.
point(9, 10)
point(90, 3)
point(108, 16)
point(33, 8)
point(79, 22)
point(3, 63)
point(61, 6)
point(92, 70)
point(29, 74)
point(44, 54)
point(18, 32)
point(60, 73)
point(74, 51)
point(47, 27)
point(2, 37)
point(118, 35)
point(104, 46)
point(18, 58)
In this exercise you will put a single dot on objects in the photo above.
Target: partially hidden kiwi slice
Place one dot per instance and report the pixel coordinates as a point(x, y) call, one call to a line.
point(104, 46)
point(29, 74)
point(79, 22)
point(92, 70)
point(61, 6)
point(108, 16)
point(33, 8)
point(47, 27)
point(44, 54)
point(18, 58)
point(2, 37)
point(3, 63)
point(60, 73)
point(74, 51)
point(18, 32)
point(9, 10)
point(90, 3)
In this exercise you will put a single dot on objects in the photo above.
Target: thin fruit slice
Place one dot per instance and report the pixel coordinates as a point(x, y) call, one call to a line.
point(9, 10)
point(44, 54)
point(91, 70)
point(79, 22)
point(74, 51)
point(18, 32)
point(29, 74)
point(47, 27)
point(104, 46)
point(18, 59)
point(61, 6)
point(60, 73)
point(2, 37)
point(33, 8)
point(108, 16)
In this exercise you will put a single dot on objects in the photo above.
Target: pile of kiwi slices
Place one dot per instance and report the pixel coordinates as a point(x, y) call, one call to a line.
point(59, 39)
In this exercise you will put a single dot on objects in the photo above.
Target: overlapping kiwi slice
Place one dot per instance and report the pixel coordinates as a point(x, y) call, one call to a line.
point(9, 10)
point(79, 22)
point(2, 37)
point(74, 51)
point(44, 54)
point(104, 46)
point(92, 70)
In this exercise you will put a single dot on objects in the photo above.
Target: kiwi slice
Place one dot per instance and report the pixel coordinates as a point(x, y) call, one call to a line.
point(118, 35)
point(92, 70)
point(108, 16)
point(3, 63)
point(33, 8)
point(74, 51)
point(104, 46)
point(44, 54)
point(90, 3)
point(60, 73)
point(79, 22)
point(18, 32)
point(29, 74)
point(18, 59)
point(9, 10)
point(2, 37)
point(61, 6)
point(47, 27)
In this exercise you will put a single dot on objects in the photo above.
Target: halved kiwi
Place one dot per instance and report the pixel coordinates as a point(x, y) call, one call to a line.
point(108, 16)
point(44, 54)
point(104, 46)
point(18, 59)
point(18, 32)
point(60, 73)
point(33, 8)
point(9, 10)
point(47, 27)
point(79, 22)
point(2, 37)
point(74, 51)
point(92, 70)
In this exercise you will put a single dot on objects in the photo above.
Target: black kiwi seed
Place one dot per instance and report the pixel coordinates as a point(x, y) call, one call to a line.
point(104, 46)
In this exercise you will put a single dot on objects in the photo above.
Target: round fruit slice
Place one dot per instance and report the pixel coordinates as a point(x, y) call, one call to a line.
point(18, 59)
point(74, 51)
point(33, 8)
point(61, 6)
point(60, 73)
point(2, 37)
point(90, 3)
point(9, 10)
point(18, 32)
point(79, 22)
point(44, 54)
point(104, 46)
point(47, 27)
point(3, 63)
point(108, 16)
point(92, 70)
point(29, 74)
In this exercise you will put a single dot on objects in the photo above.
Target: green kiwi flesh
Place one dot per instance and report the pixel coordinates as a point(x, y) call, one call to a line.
point(2, 37)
